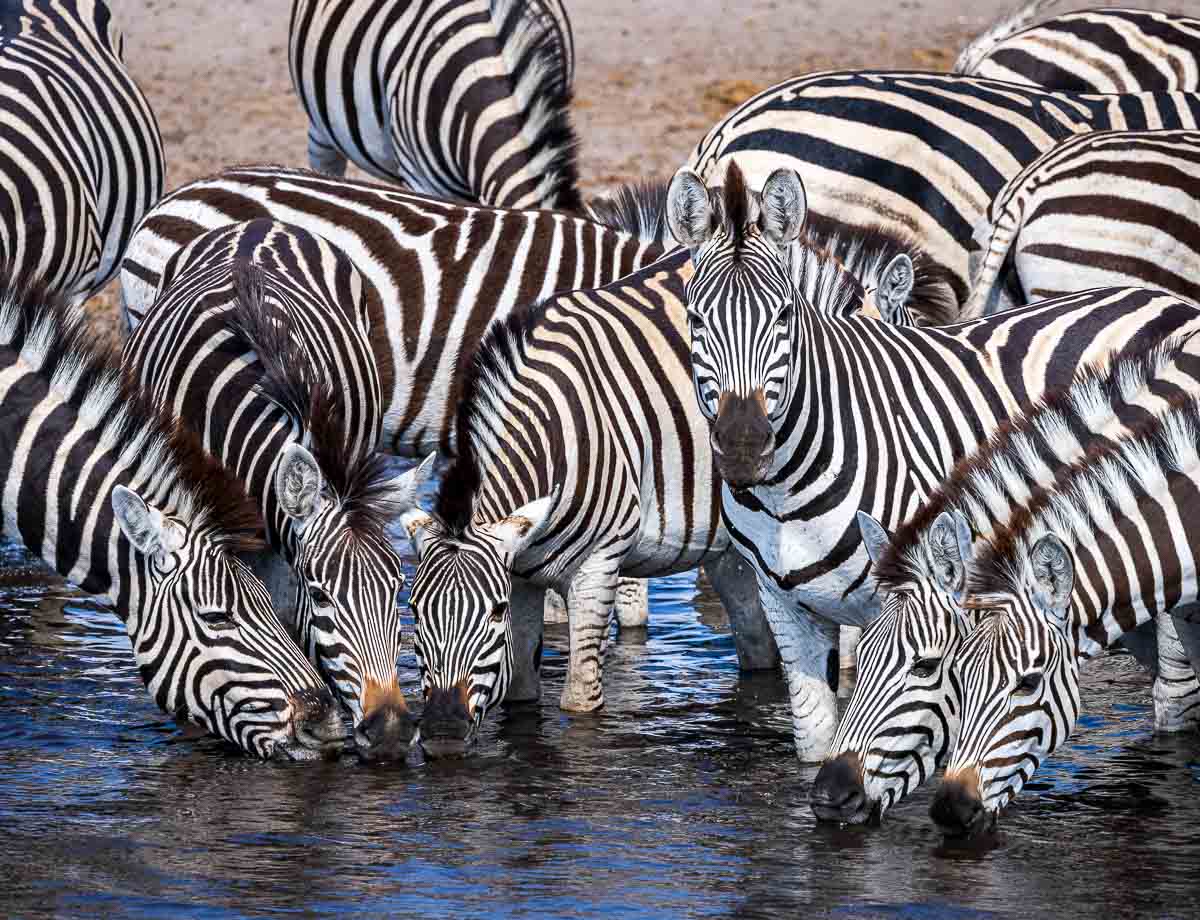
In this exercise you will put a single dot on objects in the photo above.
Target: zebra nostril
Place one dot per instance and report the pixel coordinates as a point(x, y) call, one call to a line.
point(838, 793)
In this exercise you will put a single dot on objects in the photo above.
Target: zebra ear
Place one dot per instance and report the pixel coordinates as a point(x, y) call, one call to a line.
point(419, 527)
point(405, 489)
point(144, 525)
point(895, 287)
point(874, 536)
point(298, 482)
point(518, 530)
point(1053, 576)
point(689, 211)
point(784, 207)
point(949, 548)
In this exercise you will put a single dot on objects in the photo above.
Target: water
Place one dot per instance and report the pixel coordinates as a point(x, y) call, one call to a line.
point(681, 799)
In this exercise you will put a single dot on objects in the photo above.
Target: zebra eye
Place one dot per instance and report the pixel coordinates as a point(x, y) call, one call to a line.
point(695, 322)
point(782, 317)
point(318, 596)
point(499, 611)
point(924, 667)
point(216, 618)
point(1029, 682)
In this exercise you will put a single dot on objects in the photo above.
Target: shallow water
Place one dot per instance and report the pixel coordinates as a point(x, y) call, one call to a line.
point(682, 798)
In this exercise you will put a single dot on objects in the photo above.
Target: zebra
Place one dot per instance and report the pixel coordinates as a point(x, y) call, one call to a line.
point(261, 341)
point(81, 159)
point(921, 152)
point(580, 455)
point(1103, 550)
point(1091, 51)
point(902, 715)
point(124, 502)
point(814, 419)
point(1119, 207)
point(465, 99)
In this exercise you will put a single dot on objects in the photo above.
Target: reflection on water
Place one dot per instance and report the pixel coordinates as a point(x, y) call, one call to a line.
point(682, 798)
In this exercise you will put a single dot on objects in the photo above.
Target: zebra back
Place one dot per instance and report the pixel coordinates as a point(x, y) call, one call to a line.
point(82, 157)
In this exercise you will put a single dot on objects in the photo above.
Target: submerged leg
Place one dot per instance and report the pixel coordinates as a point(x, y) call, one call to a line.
point(1179, 663)
point(554, 610)
point(734, 581)
point(590, 608)
point(527, 601)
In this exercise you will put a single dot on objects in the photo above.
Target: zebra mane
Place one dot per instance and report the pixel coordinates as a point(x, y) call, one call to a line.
point(123, 417)
point(734, 209)
point(837, 260)
point(983, 480)
point(1114, 475)
point(638, 208)
point(540, 82)
point(360, 479)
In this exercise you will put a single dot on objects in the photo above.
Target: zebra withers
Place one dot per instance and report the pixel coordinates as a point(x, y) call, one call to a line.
point(815, 419)
point(465, 99)
point(81, 159)
point(902, 717)
point(1081, 563)
point(1090, 51)
point(922, 153)
point(1120, 207)
point(124, 502)
point(266, 341)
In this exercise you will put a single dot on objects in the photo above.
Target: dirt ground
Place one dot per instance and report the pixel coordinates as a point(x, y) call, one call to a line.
point(651, 75)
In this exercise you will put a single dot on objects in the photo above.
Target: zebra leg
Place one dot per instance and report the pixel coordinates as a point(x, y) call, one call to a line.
point(323, 155)
point(1179, 663)
point(633, 602)
point(526, 603)
point(733, 579)
point(555, 610)
point(589, 607)
point(809, 650)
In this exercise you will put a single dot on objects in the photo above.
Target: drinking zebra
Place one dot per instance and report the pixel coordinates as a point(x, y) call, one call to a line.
point(815, 419)
point(1104, 549)
point(580, 456)
point(460, 98)
point(1120, 207)
point(124, 502)
point(81, 159)
point(902, 717)
point(262, 341)
point(1091, 51)
point(923, 153)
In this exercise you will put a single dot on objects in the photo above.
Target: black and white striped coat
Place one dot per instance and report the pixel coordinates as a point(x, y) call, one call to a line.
point(922, 153)
point(443, 272)
point(81, 159)
point(815, 420)
point(1117, 207)
point(466, 99)
point(124, 502)
point(261, 341)
point(1090, 51)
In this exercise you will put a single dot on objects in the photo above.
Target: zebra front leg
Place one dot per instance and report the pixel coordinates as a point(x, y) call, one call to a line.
point(590, 608)
point(323, 154)
point(734, 581)
point(808, 650)
point(633, 602)
point(526, 603)
point(1176, 689)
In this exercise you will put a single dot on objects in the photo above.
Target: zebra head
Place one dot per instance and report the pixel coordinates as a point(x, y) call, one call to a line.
point(903, 713)
point(742, 310)
point(350, 578)
point(1018, 674)
point(207, 642)
point(460, 602)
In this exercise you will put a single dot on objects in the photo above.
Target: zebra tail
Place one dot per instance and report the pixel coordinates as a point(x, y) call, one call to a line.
point(988, 274)
point(1020, 18)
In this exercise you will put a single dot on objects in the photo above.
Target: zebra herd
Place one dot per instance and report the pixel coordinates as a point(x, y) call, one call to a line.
point(901, 351)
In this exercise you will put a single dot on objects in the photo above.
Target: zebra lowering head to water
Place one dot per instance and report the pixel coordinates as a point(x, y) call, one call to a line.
point(267, 340)
point(81, 159)
point(1090, 51)
point(814, 419)
point(581, 455)
point(124, 502)
point(1080, 563)
point(467, 99)
point(1114, 207)
point(902, 717)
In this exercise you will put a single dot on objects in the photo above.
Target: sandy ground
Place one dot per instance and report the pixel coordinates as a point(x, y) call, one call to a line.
point(651, 76)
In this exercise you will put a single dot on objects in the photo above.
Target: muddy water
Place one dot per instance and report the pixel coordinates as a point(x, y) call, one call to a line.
point(681, 798)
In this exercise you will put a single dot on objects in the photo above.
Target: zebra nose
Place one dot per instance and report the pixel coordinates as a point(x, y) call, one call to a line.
point(446, 722)
point(838, 793)
point(386, 732)
point(742, 439)
point(315, 718)
point(957, 807)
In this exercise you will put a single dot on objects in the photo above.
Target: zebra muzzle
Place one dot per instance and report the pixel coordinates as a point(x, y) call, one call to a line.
point(446, 723)
point(958, 808)
point(387, 728)
point(743, 441)
point(838, 793)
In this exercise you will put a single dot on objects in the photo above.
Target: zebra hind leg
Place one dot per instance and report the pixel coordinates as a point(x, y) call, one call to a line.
point(1176, 689)
point(590, 609)
point(323, 155)
point(527, 602)
point(554, 610)
point(733, 579)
